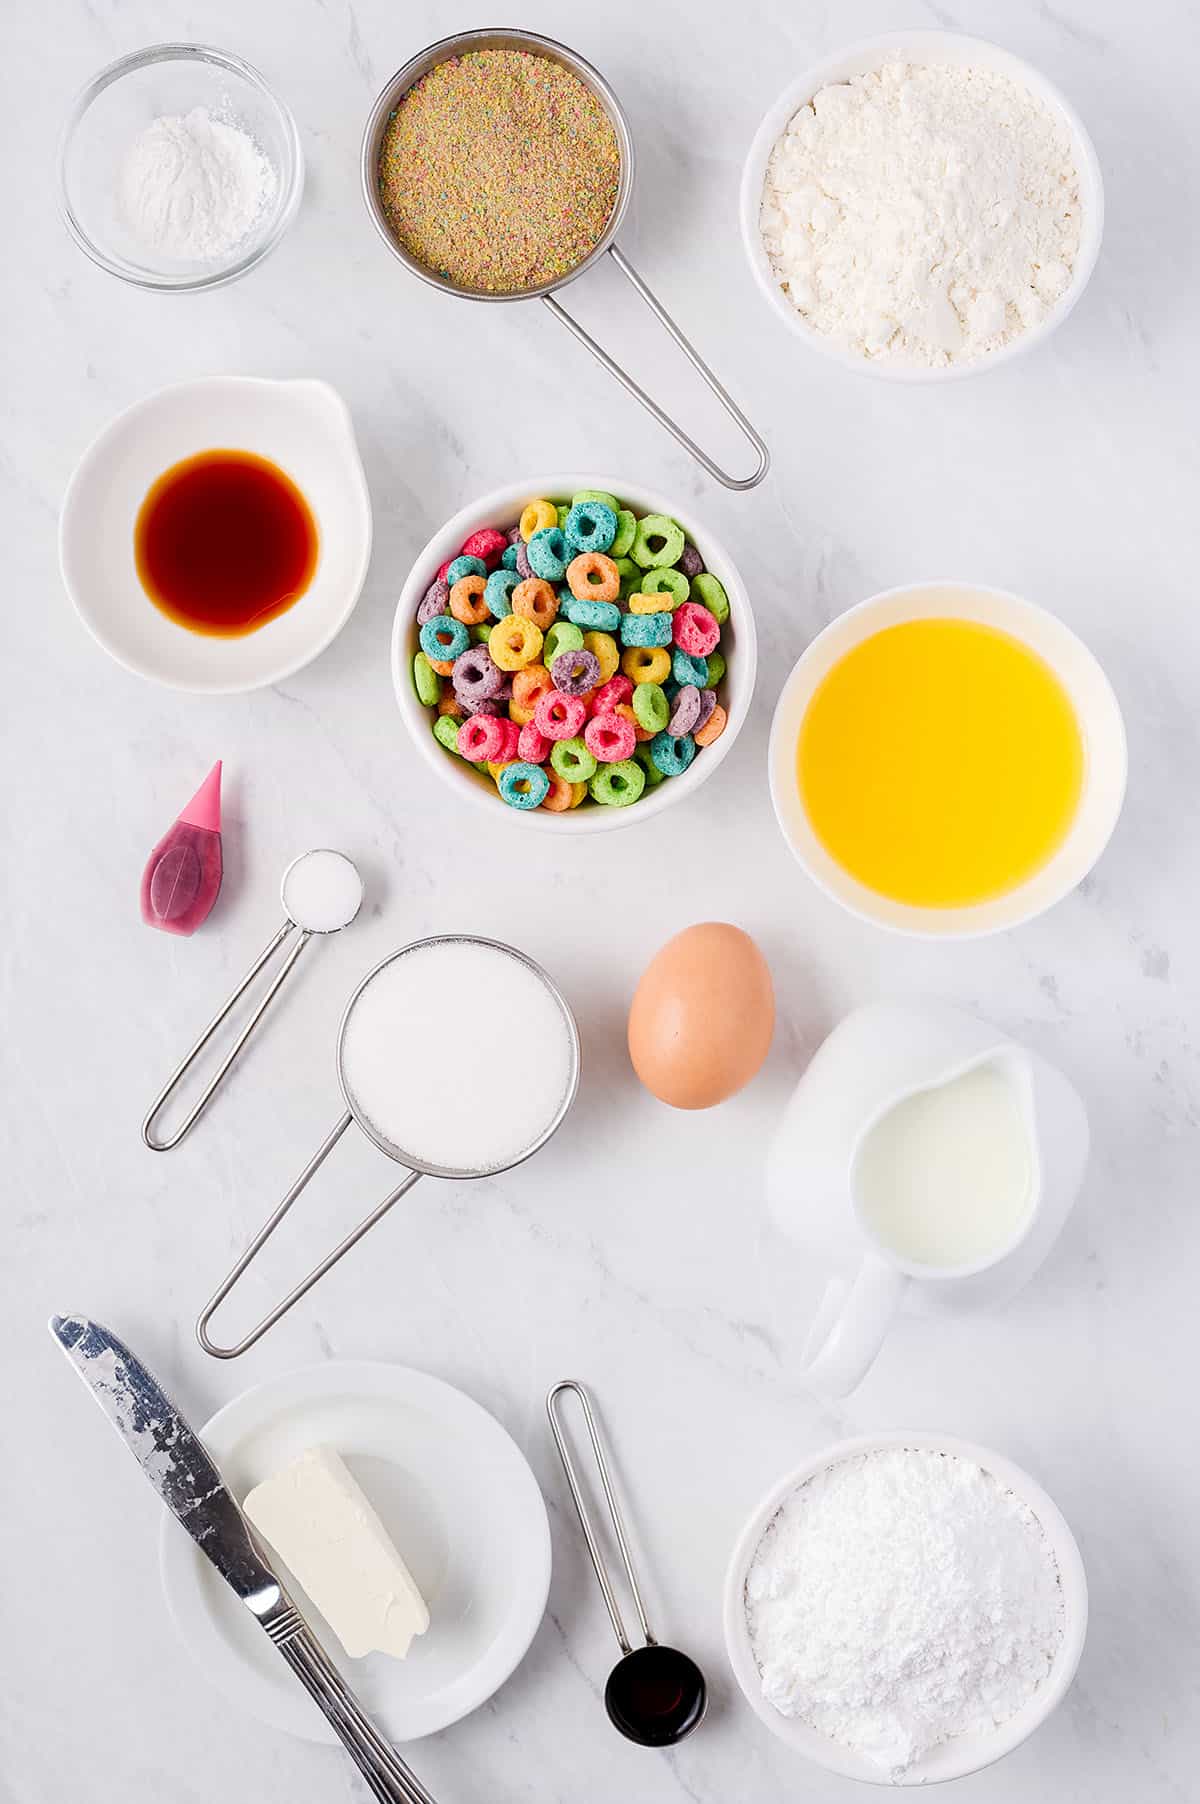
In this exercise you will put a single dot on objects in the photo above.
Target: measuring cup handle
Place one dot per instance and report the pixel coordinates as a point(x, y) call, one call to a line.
point(264, 1234)
point(850, 1327)
point(185, 1064)
point(697, 362)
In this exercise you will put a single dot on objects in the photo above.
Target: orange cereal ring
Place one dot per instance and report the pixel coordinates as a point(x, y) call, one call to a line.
point(535, 600)
point(560, 796)
point(448, 703)
point(593, 577)
point(528, 684)
point(466, 600)
point(640, 733)
point(514, 642)
point(443, 666)
point(713, 727)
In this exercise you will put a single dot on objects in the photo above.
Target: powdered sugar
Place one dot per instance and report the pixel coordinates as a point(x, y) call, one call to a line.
point(926, 214)
point(192, 186)
point(900, 1598)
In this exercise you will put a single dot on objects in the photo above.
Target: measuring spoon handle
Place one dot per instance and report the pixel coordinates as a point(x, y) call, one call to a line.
point(157, 1145)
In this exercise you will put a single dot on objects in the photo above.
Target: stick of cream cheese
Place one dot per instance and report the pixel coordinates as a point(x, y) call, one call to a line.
point(325, 1531)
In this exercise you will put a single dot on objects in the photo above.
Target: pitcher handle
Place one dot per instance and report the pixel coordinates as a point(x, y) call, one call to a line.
point(697, 362)
point(264, 1234)
point(850, 1327)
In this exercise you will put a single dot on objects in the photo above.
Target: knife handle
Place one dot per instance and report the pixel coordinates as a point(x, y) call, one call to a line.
point(390, 1778)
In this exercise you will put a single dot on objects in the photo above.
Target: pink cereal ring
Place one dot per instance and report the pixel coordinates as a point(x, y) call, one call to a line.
point(481, 739)
point(510, 736)
point(559, 716)
point(487, 543)
point(442, 569)
point(532, 747)
point(610, 695)
point(610, 738)
point(695, 630)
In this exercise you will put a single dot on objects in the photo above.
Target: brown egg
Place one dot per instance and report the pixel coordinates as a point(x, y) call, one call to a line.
point(702, 1017)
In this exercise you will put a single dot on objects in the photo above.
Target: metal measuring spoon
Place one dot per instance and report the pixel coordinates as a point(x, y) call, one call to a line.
point(655, 1695)
point(321, 892)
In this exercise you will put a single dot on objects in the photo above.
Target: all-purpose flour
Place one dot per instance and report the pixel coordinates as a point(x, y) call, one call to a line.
point(925, 214)
point(900, 1598)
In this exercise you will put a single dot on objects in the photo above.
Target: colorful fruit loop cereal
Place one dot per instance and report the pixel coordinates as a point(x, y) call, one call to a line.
point(574, 656)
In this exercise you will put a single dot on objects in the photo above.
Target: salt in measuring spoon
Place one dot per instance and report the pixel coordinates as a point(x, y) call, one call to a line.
point(655, 1695)
point(321, 892)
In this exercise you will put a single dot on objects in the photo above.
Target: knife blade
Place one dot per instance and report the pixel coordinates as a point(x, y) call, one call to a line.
point(172, 1457)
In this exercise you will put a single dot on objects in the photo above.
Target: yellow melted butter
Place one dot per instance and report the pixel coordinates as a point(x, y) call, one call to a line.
point(940, 762)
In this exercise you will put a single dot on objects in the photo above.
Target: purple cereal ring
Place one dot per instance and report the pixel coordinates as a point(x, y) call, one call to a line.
point(690, 562)
point(514, 535)
point(685, 710)
point(524, 566)
point(435, 601)
point(708, 701)
point(575, 672)
point(475, 676)
point(490, 705)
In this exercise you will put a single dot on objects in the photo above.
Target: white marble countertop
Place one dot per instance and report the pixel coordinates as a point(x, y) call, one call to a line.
point(634, 1252)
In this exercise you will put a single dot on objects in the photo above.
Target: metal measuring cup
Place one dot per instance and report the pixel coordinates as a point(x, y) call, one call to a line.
point(416, 1168)
point(655, 1694)
point(373, 136)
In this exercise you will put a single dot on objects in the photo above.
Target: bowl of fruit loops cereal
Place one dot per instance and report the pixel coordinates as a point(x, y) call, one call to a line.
point(573, 654)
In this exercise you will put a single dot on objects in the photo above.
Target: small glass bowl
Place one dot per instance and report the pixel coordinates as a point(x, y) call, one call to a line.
point(117, 105)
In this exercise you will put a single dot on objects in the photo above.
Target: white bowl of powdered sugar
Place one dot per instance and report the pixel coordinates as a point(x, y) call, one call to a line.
point(905, 1608)
point(922, 206)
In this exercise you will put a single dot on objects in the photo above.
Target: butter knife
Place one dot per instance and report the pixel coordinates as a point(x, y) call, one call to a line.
point(181, 1470)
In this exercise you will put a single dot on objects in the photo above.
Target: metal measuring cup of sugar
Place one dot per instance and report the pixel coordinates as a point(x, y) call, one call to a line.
point(606, 245)
point(416, 1167)
point(321, 892)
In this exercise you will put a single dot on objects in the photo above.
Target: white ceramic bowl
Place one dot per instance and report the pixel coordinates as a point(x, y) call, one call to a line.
point(966, 1753)
point(108, 116)
point(1099, 716)
point(502, 508)
point(919, 47)
point(305, 428)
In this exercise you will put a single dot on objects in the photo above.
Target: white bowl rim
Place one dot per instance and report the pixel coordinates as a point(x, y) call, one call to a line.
point(1008, 1735)
point(291, 183)
point(1001, 913)
point(580, 821)
point(837, 67)
point(95, 450)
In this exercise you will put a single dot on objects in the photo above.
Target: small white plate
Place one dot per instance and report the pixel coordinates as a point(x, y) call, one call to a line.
point(458, 1498)
point(305, 428)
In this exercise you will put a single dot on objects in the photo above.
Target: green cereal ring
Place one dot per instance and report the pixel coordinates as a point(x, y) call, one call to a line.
point(651, 706)
point(596, 495)
point(426, 681)
point(716, 669)
point(562, 508)
point(480, 634)
point(711, 593)
point(445, 731)
point(657, 542)
point(572, 760)
point(630, 575)
point(645, 758)
point(626, 527)
point(563, 635)
point(667, 582)
point(617, 785)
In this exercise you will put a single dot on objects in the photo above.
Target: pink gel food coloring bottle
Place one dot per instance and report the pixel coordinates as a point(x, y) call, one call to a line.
point(182, 878)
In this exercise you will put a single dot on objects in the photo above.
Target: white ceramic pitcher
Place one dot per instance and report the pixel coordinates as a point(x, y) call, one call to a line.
point(874, 1060)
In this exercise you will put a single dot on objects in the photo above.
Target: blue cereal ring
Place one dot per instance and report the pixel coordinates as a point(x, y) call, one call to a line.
point(444, 638)
point(672, 755)
point(590, 526)
point(465, 565)
point(508, 557)
point(645, 629)
point(523, 785)
point(687, 669)
point(497, 591)
point(549, 554)
point(597, 616)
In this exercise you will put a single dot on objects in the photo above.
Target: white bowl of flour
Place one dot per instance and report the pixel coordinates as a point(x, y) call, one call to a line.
point(922, 206)
point(905, 1608)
